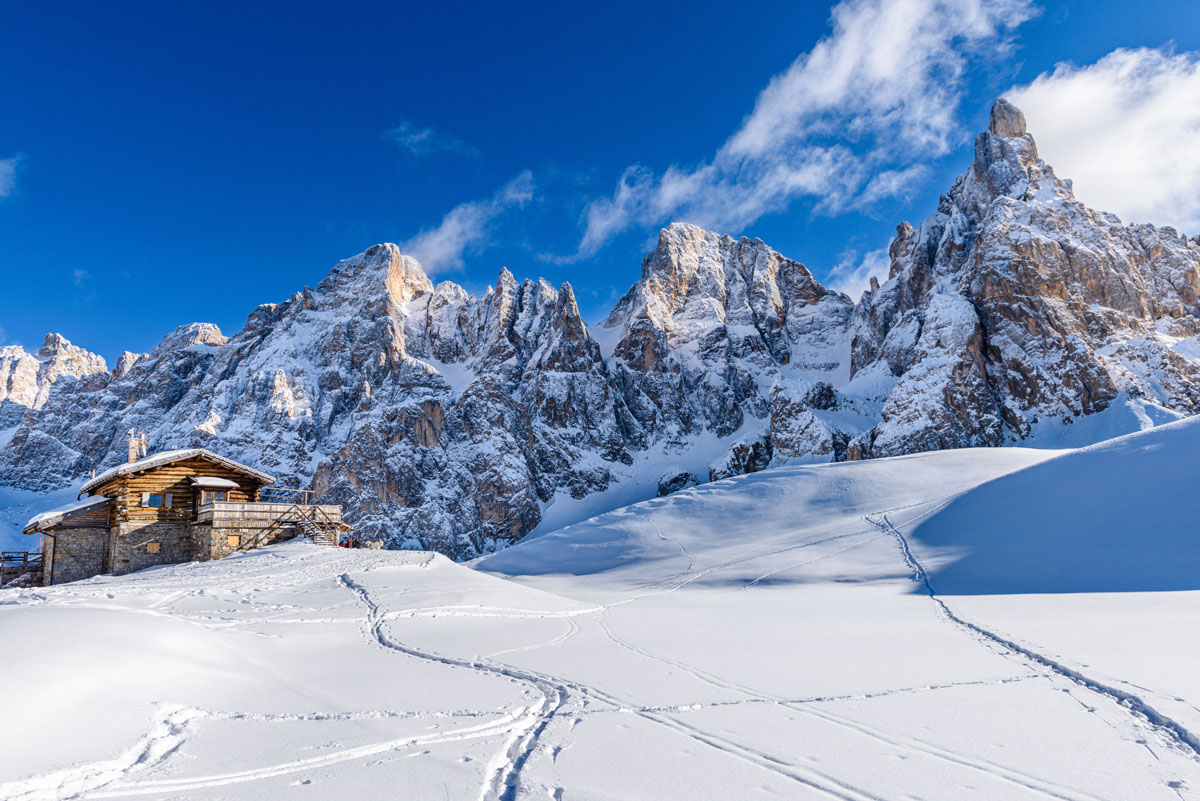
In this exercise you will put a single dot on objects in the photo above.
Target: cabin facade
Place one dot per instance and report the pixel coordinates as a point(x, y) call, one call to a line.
point(176, 506)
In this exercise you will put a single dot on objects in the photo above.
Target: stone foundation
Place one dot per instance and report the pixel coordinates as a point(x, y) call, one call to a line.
point(215, 542)
point(79, 552)
point(71, 554)
point(132, 546)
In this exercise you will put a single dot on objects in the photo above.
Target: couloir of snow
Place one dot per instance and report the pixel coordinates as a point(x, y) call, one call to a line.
point(973, 624)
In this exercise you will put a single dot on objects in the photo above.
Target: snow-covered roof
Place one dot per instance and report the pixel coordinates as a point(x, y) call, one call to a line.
point(167, 457)
point(52, 518)
point(212, 482)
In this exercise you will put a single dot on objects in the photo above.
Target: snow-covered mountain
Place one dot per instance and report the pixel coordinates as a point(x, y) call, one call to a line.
point(459, 423)
point(1014, 303)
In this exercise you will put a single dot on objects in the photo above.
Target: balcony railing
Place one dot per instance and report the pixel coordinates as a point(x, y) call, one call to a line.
point(259, 511)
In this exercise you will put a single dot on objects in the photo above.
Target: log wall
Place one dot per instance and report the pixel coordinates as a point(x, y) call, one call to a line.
point(174, 478)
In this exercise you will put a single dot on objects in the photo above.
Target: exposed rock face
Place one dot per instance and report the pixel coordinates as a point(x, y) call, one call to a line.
point(816, 422)
point(710, 322)
point(746, 456)
point(448, 421)
point(26, 380)
point(1014, 303)
point(1007, 119)
point(443, 420)
point(674, 479)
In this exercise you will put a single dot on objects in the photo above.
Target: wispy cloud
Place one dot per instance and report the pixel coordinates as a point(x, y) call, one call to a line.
point(80, 276)
point(848, 123)
point(467, 226)
point(853, 274)
point(421, 142)
point(8, 175)
point(1125, 130)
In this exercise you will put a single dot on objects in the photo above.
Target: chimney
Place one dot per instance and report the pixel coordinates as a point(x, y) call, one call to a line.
point(137, 445)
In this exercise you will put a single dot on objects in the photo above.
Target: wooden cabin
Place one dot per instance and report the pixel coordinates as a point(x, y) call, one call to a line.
point(175, 506)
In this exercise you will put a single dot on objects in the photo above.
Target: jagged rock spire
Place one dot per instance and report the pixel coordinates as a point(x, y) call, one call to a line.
point(1007, 119)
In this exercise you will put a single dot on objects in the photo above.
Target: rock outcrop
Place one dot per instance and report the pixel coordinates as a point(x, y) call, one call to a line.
point(449, 421)
point(1015, 303)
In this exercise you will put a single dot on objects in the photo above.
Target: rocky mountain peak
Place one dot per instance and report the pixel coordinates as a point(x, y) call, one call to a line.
point(61, 358)
point(1011, 302)
point(26, 380)
point(126, 362)
point(189, 335)
point(449, 421)
point(380, 270)
point(1006, 119)
point(1007, 164)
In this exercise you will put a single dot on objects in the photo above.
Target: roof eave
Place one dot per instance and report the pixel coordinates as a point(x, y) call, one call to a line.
point(192, 453)
point(57, 520)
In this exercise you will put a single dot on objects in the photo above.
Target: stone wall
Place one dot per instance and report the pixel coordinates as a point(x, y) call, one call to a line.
point(131, 549)
point(72, 554)
point(214, 541)
point(77, 553)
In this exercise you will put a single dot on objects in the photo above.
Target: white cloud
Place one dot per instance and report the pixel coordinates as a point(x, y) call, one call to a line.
point(853, 275)
point(8, 175)
point(874, 97)
point(466, 227)
point(421, 142)
point(79, 277)
point(892, 183)
point(1125, 129)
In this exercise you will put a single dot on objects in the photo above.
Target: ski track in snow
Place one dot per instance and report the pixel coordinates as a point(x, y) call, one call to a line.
point(805, 706)
point(1134, 705)
point(505, 770)
point(684, 552)
point(527, 730)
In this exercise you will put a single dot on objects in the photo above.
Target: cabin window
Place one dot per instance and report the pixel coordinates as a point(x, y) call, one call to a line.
point(210, 496)
point(153, 547)
point(152, 499)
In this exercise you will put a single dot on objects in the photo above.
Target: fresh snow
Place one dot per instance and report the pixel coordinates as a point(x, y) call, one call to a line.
point(459, 376)
point(1125, 416)
point(639, 480)
point(91, 502)
point(804, 632)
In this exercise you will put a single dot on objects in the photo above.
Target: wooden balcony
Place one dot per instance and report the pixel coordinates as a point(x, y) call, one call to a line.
point(219, 512)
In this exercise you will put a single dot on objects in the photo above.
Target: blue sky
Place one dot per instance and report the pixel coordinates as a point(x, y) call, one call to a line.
point(162, 163)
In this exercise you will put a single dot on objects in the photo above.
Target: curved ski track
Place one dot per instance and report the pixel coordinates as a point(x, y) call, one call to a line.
point(1131, 703)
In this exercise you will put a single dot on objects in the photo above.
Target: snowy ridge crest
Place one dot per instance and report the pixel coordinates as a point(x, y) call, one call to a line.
point(453, 422)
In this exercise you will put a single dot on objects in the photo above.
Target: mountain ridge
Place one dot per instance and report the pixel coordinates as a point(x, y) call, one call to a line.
point(453, 422)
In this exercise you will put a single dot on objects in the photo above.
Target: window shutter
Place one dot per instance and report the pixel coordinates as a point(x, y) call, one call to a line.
point(145, 499)
point(167, 500)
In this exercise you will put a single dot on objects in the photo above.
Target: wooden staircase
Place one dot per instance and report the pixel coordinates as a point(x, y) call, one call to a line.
point(314, 524)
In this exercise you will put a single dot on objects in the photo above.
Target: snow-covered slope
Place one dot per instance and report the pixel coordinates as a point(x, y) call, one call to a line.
point(765, 636)
point(1120, 516)
point(457, 423)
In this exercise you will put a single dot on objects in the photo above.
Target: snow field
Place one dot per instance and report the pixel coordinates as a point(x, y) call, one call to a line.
point(767, 636)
